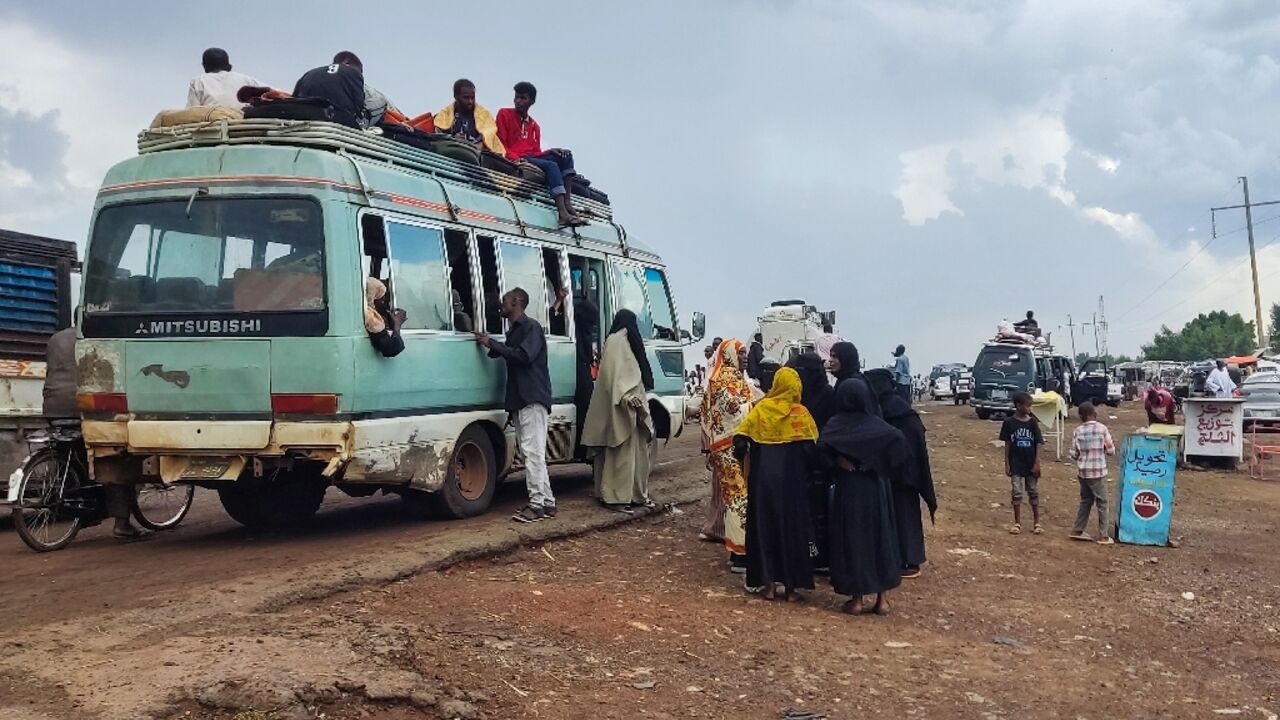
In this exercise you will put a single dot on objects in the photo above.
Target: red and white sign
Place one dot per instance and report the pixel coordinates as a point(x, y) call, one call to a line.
point(1214, 427)
point(1147, 505)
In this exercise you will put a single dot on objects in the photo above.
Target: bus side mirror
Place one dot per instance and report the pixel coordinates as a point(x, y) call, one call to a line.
point(699, 326)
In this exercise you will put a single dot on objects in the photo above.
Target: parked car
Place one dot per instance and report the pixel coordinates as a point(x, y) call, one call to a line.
point(961, 386)
point(1096, 385)
point(1261, 393)
point(940, 388)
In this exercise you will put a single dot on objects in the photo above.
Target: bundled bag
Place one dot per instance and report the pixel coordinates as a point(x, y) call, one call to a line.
point(192, 115)
point(315, 109)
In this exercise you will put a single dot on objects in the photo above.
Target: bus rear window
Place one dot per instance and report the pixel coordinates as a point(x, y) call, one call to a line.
point(210, 255)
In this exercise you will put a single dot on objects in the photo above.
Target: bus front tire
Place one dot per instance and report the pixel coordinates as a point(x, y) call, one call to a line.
point(471, 481)
point(983, 413)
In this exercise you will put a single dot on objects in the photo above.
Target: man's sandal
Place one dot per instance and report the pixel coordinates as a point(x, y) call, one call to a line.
point(1016, 529)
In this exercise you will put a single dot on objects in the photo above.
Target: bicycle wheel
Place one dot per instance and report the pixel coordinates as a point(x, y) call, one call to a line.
point(161, 507)
point(40, 516)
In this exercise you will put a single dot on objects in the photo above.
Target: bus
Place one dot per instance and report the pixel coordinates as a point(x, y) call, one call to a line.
point(222, 340)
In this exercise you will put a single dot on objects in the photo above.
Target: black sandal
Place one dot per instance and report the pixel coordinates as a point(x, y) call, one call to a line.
point(137, 535)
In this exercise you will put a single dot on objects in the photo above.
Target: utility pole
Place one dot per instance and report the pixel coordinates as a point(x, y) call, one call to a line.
point(1072, 327)
point(1253, 255)
point(1097, 351)
point(1102, 320)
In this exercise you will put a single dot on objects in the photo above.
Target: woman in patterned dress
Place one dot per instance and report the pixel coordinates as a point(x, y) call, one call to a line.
point(725, 405)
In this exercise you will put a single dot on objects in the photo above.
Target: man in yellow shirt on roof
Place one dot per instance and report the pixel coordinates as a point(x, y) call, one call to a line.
point(466, 119)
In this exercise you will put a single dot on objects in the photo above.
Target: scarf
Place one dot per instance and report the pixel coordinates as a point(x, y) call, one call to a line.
point(374, 290)
point(727, 400)
point(892, 404)
point(850, 364)
point(780, 418)
point(860, 436)
point(625, 321)
point(485, 125)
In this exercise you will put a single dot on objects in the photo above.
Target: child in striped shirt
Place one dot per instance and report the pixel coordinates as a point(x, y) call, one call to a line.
point(1090, 447)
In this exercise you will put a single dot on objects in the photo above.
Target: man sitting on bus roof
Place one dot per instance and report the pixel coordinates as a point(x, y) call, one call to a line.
point(469, 121)
point(522, 137)
point(218, 85)
point(357, 103)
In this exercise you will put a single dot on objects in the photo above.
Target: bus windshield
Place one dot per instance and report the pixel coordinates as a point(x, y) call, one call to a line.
point(207, 255)
point(1004, 364)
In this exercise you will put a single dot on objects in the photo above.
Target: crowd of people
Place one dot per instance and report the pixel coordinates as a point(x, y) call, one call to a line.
point(339, 91)
point(815, 477)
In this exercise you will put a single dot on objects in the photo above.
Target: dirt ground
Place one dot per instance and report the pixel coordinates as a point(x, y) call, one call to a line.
point(373, 615)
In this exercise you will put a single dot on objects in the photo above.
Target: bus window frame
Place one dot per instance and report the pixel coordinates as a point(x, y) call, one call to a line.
point(365, 265)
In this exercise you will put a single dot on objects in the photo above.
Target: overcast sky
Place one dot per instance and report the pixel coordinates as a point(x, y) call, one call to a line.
point(922, 168)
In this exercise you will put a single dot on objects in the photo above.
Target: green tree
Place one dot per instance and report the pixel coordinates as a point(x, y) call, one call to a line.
point(1274, 332)
point(1211, 335)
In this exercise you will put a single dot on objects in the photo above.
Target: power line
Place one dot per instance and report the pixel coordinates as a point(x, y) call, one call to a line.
point(1187, 264)
point(1203, 289)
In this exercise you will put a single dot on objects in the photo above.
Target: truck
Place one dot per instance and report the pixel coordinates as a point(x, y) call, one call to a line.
point(1006, 366)
point(35, 302)
point(789, 328)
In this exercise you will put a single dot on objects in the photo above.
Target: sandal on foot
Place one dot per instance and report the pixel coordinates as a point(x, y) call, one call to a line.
point(880, 610)
point(851, 607)
point(1080, 536)
point(1106, 541)
point(1038, 529)
point(136, 536)
point(1016, 529)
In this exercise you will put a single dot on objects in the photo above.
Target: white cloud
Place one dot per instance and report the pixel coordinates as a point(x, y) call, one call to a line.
point(48, 78)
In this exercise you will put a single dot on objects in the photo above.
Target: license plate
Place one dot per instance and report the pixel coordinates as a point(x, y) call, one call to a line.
point(1263, 413)
point(205, 469)
point(999, 394)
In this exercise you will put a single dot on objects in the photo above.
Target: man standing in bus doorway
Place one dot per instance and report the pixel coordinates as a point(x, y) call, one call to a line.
point(528, 399)
point(902, 372)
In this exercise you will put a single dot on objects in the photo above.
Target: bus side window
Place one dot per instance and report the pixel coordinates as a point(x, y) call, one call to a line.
point(664, 316)
point(418, 275)
point(522, 268)
point(492, 299)
point(463, 295)
point(554, 265)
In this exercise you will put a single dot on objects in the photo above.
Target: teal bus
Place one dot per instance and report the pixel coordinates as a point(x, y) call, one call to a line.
point(222, 340)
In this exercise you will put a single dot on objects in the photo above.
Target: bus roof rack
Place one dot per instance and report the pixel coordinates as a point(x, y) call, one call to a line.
point(364, 144)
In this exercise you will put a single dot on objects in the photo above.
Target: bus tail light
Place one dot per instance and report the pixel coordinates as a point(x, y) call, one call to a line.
point(304, 404)
point(102, 402)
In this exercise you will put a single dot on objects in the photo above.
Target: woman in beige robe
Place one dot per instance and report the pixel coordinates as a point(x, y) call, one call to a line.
point(617, 427)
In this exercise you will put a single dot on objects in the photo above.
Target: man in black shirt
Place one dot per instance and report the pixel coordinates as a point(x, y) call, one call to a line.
point(755, 356)
point(1022, 440)
point(342, 84)
point(528, 398)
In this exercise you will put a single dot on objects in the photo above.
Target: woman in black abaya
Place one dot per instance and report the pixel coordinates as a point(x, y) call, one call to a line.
point(819, 398)
point(844, 364)
point(916, 482)
point(864, 452)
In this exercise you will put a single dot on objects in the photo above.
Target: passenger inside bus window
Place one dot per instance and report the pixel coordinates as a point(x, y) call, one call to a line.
point(487, 248)
point(464, 308)
point(382, 324)
point(418, 276)
point(557, 293)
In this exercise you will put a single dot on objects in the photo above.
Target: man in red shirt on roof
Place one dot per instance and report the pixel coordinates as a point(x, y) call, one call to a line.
point(522, 137)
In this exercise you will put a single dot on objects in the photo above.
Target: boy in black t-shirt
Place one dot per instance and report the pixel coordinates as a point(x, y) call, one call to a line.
point(1022, 439)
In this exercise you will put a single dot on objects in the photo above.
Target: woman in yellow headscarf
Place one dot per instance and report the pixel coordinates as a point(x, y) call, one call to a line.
point(775, 444)
point(725, 405)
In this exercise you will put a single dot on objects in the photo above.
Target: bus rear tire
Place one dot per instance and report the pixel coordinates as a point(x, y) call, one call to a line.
point(288, 500)
point(472, 478)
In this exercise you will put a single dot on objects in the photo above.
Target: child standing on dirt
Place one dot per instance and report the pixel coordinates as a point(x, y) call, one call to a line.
point(1022, 440)
point(1090, 447)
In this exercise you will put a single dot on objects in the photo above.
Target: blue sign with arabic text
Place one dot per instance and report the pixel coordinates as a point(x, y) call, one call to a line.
point(1146, 489)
